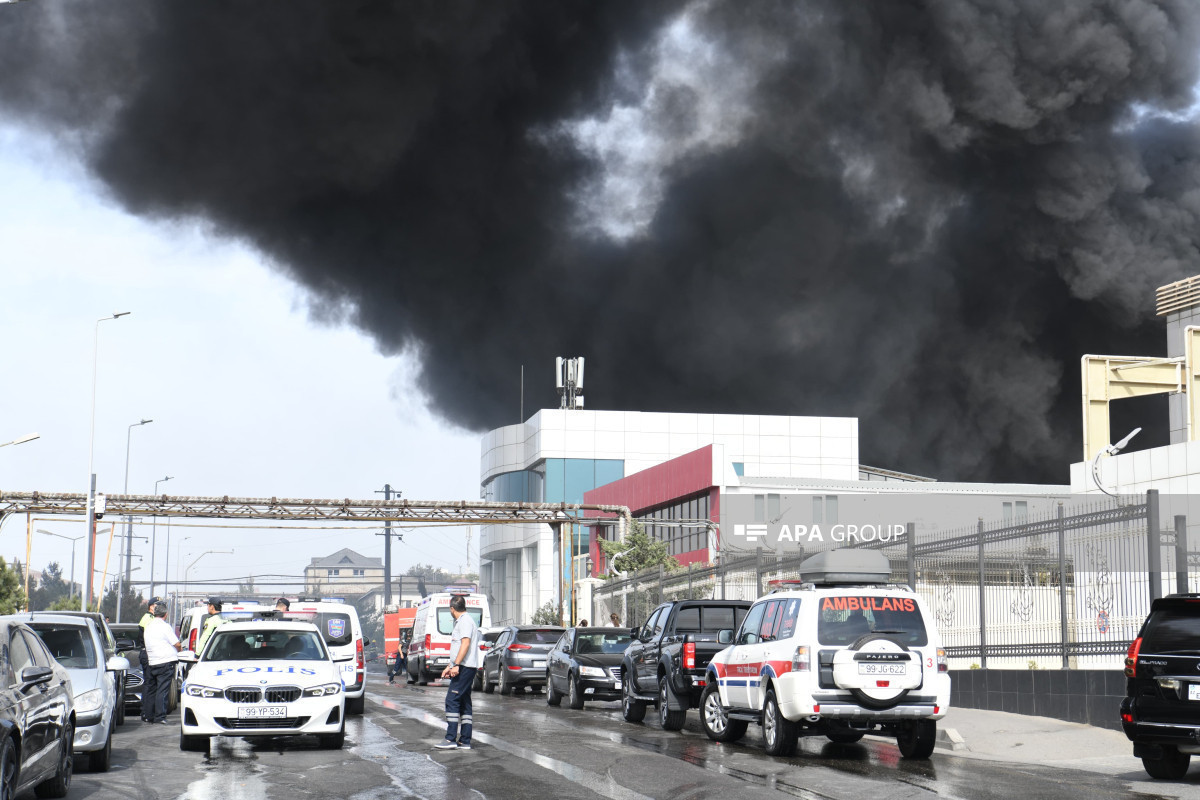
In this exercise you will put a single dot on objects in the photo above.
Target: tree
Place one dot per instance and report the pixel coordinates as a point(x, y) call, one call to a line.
point(12, 596)
point(132, 604)
point(69, 604)
point(641, 551)
point(547, 615)
point(50, 588)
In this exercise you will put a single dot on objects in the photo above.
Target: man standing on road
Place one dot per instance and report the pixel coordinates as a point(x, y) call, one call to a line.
point(211, 624)
point(146, 619)
point(162, 650)
point(464, 647)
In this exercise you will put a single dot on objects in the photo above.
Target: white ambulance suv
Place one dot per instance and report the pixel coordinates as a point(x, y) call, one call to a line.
point(839, 653)
point(343, 634)
point(429, 651)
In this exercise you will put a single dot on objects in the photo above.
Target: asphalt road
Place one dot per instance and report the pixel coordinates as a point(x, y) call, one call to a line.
point(525, 749)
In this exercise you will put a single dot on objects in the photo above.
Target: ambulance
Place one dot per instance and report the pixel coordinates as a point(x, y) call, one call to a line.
point(429, 652)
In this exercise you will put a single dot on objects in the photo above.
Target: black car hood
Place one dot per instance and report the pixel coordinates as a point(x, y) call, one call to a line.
point(599, 659)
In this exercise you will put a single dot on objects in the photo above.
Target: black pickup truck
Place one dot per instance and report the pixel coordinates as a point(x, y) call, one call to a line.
point(665, 664)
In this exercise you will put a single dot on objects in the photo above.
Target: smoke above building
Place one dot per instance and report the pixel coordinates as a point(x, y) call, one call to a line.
point(920, 213)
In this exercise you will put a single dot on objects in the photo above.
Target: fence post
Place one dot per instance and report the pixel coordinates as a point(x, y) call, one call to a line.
point(1153, 545)
point(758, 571)
point(1062, 585)
point(690, 581)
point(982, 601)
point(1181, 564)
point(911, 554)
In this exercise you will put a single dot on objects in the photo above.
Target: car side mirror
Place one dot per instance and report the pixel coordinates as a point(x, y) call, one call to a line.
point(117, 664)
point(31, 676)
point(725, 636)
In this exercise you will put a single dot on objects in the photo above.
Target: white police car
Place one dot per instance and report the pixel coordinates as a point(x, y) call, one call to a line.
point(839, 654)
point(263, 677)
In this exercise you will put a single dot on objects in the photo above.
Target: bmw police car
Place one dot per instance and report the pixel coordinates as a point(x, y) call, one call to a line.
point(263, 677)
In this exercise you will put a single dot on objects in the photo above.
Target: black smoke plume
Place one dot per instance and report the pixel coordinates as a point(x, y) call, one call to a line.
point(918, 212)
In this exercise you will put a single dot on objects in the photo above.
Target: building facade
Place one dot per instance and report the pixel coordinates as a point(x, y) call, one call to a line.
point(343, 573)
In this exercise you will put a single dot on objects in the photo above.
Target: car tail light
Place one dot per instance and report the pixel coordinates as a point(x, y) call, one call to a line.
point(192, 639)
point(1127, 718)
point(942, 665)
point(1131, 658)
point(519, 646)
point(428, 642)
point(689, 655)
point(358, 653)
point(800, 660)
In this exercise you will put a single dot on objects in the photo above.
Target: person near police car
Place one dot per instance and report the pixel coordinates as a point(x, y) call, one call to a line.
point(214, 621)
point(162, 650)
point(142, 660)
point(283, 604)
point(464, 662)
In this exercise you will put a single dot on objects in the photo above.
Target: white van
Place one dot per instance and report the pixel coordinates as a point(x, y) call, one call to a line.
point(343, 635)
point(429, 652)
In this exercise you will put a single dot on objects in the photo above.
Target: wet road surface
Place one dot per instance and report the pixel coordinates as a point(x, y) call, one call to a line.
point(526, 749)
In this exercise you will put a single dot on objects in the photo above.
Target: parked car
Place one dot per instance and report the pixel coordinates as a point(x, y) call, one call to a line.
point(1163, 670)
point(518, 658)
point(78, 646)
point(264, 677)
point(488, 638)
point(665, 664)
point(37, 716)
point(839, 653)
point(585, 665)
point(110, 650)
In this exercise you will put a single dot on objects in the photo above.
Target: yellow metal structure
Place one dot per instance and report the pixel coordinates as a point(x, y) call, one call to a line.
point(1108, 378)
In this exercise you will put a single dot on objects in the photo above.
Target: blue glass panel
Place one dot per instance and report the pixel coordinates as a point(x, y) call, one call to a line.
point(739, 468)
point(609, 470)
point(554, 490)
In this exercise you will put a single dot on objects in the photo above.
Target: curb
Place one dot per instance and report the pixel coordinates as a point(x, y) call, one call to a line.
point(950, 739)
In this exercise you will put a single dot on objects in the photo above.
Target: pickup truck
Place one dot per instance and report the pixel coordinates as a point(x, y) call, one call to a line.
point(665, 664)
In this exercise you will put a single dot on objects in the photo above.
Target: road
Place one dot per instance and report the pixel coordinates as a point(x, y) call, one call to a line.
point(525, 749)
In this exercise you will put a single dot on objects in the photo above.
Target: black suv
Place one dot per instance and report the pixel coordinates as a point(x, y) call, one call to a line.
point(1161, 711)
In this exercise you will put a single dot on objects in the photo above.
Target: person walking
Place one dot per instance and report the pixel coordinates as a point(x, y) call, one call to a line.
point(213, 621)
point(142, 660)
point(162, 650)
point(464, 647)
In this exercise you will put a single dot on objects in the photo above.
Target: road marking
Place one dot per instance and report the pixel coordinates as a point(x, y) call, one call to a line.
point(593, 781)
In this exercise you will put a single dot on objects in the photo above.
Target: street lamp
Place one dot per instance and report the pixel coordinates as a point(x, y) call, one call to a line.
point(91, 498)
point(72, 540)
point(29, 437)
point(128, 519)
point(1111, 450)
point(197, 558)
point(178, 558)
point(154, 539)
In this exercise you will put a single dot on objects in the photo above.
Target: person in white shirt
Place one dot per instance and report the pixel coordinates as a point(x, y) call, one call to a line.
point(162, 651)
point(464, 651)
point(615, 619)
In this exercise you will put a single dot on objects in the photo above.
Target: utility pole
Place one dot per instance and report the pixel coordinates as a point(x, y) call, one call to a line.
point(387, 548)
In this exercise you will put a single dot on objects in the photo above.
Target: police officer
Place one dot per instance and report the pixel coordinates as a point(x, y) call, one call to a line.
point(143, 659)
point(214, 621)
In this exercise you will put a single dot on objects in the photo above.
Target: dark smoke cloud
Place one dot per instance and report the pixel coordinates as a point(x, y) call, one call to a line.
point(917, 212)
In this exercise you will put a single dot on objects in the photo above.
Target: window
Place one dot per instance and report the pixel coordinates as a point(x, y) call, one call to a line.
point(71, 645)
point(825, 509)
point(358, 573)
point(18, 655)
point(739, 468)
point(334, 572)
point(750, 625)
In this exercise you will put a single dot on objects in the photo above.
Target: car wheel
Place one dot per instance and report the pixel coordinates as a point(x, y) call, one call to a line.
point(1171, 767)
point(193, 744)
point(917, 738)
point(355, 705)
point(422, 676)
point(478, 683)
point(60, 784)
point(779, 733)
point(715, 719)
point(101, 760)
point(632, 709)
point(121, 709)
point(506, 687)
point(553, 698)
point(8, 770)
point(574, 696)
point(333, 741)
point(672, 719)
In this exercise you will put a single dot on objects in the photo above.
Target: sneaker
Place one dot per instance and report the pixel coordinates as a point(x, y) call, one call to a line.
point(464, 745)
point(162, 722)
point(446, 744)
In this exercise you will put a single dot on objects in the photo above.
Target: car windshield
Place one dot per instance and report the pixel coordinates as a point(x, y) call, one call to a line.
point(1172, 630)
point(446, 621)
point(602, 642)
point(843, 620)
point(71, 645)
point(265, 645)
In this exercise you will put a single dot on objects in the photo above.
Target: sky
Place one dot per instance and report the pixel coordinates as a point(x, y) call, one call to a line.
point(249, 395)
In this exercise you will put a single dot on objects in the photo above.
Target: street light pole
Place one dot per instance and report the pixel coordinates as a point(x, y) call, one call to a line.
point(154, 540)
point(29, 437)
point(128, 521)
point(188, 569)
point(91, 498)
point(72, 540)
point(387, 548)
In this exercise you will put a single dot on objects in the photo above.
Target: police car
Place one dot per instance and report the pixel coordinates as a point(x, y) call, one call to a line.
point(839, 653)
point(263, 677)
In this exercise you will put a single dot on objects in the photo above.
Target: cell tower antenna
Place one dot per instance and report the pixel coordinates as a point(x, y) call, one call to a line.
point(569, 380)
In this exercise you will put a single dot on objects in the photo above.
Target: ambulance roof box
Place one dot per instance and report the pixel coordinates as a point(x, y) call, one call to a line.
point(855, 567)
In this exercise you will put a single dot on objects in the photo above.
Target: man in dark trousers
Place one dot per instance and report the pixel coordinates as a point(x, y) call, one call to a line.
point(162, 650)
point(142, 660)
point(464, 653)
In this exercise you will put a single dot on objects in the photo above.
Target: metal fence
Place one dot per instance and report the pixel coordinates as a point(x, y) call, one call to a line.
point(1069, 589)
